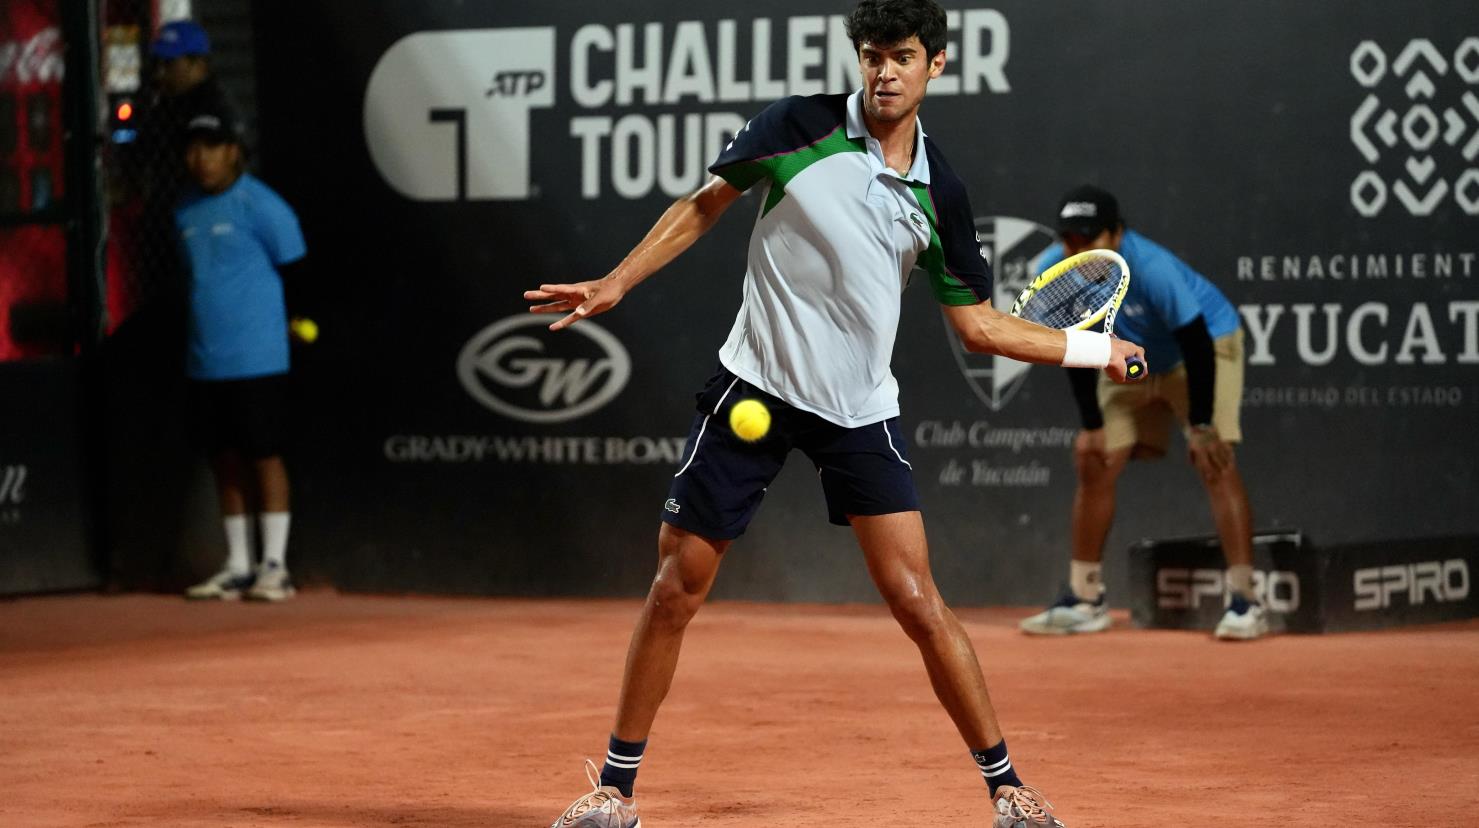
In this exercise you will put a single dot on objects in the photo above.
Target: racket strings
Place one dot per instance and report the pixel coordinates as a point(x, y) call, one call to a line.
point(1075, 296)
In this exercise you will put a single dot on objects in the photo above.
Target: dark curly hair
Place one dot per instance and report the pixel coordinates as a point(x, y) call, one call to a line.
point(886, 22)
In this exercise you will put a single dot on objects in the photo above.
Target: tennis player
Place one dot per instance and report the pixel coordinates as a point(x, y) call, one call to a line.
point(1194, 339)
point(852, 196)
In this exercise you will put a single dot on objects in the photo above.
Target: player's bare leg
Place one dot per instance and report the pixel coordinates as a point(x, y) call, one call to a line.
point(272, 582)
point(230, 493)
point(272, 483)
point(686, 566)
point(1245, 618)
point(898, 560)
point(234, 577)
point(1082, 608)
point(897, 554)
point(1232, 514)
point(1093, 501)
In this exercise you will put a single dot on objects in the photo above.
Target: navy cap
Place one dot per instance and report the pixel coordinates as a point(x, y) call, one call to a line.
point(180, 38)
point(1088, 211)
point(213, 128)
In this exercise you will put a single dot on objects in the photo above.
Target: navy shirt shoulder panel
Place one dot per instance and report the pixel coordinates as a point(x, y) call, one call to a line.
point(956, 224)
point(785, 126)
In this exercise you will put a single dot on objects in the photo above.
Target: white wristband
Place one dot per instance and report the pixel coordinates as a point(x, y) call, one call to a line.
point(1086, 349)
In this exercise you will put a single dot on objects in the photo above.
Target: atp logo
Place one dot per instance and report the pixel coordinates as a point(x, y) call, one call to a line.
point(1011, 246)
point(517, 367)
point(447, 114)
point(1429, 122)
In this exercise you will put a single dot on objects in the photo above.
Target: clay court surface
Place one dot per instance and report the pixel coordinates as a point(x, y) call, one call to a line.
point(339, 710)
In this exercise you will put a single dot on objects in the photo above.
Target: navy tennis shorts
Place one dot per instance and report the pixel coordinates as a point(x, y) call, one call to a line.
point(722, 479)
point(248, 416)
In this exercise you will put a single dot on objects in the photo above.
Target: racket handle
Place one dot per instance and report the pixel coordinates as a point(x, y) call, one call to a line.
point(1134, 369)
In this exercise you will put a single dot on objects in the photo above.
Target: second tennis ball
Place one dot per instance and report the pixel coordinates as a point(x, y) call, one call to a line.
point(749, 419)
point(305, 329)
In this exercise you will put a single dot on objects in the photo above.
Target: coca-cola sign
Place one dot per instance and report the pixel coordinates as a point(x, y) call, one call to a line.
point(37, 59)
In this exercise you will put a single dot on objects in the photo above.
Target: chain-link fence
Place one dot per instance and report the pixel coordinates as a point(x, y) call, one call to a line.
point(143, 169)
point(149, 100)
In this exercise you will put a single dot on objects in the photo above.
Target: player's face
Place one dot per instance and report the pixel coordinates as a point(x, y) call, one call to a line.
point(213, 167)
point(1073, 243)
point(895, 76)
point(176, 76)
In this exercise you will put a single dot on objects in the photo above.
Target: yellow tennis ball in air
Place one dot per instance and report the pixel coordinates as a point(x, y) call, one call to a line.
point(305, 329)
point(749, 419)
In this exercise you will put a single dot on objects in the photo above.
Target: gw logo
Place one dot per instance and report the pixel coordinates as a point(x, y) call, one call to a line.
point(516, 376)
point(435, 128)
point(507, 83)
point(1186, 588)
point(1443, 581)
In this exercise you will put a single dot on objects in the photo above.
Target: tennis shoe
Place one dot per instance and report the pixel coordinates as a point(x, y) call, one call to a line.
point(603, 807)
point(272, 584)
point(1023, 807)
point(222, 586)
point(1244, 621)
point(1068, 616)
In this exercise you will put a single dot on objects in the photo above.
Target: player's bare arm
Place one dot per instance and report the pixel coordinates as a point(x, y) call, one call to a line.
point(682, 224)
point(986, 330)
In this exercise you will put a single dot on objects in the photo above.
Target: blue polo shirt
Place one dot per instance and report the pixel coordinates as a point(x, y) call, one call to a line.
point(232, 243)
point(837, 234)
point(1165, 294)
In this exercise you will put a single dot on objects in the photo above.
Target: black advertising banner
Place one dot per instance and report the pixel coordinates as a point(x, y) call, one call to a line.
point(43, 537)
point(1319, 162)
point(1179, 583)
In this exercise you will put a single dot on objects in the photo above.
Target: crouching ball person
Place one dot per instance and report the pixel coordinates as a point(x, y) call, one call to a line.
point(1193, 339)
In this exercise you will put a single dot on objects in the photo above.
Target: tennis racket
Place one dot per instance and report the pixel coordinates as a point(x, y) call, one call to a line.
point(1078, 292)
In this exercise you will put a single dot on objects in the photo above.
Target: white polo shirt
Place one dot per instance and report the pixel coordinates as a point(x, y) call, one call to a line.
point(837, 236)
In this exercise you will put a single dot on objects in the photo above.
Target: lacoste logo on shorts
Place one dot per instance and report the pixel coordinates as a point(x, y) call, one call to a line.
point(672, 506)
point(917, 219)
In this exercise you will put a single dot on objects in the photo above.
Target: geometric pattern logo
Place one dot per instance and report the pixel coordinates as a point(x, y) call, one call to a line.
point(1011, 246)
point(1417, 127)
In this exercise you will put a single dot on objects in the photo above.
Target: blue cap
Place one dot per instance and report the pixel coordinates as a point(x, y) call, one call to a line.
point(180, 38)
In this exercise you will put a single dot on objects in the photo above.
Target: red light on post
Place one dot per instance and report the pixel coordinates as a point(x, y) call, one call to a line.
point(125, 111)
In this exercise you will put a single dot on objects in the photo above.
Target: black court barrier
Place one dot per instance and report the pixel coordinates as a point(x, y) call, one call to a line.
point(1308, 588)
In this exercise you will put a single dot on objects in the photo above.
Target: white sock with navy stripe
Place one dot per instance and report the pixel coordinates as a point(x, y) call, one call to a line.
point(238, 546)
point(622, 760)
point(996, 766)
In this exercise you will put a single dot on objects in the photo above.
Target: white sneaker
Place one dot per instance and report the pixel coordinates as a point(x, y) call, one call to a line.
point(1068, 616)
point(1023, 807)
point(1243, 621)
point(272, 583)
point(603, 807)
point(222, 586)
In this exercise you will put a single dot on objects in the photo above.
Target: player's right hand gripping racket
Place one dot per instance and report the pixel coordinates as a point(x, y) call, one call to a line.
point(1078, 292)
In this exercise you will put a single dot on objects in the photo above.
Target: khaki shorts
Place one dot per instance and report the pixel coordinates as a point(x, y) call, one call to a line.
point(1139, 414)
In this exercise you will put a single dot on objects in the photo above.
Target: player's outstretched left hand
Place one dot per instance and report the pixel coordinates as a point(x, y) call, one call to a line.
point(1121, 350)
point(578, 301)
